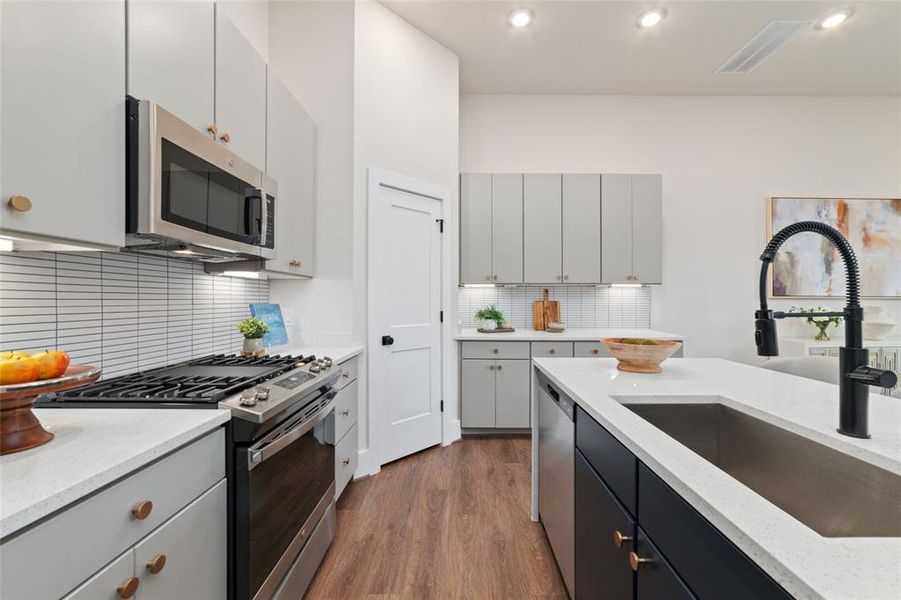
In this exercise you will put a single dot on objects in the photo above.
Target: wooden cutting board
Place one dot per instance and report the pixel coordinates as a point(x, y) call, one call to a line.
point(544, 312)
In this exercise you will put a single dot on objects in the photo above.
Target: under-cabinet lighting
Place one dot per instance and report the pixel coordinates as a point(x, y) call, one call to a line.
point(185, 252)
point(6, 244)
point(478, 285)
point(242, 274)
point(625, 285)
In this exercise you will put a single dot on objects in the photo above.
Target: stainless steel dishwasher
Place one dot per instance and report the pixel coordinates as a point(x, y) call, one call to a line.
point(556, 464)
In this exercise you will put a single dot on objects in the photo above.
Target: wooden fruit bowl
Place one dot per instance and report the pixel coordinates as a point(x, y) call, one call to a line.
point(19, 428)
point(640, 358)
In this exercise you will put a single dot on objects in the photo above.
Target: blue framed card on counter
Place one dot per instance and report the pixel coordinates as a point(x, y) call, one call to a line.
point(271, 314)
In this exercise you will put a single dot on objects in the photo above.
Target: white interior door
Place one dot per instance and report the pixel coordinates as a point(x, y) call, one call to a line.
point(405, 284)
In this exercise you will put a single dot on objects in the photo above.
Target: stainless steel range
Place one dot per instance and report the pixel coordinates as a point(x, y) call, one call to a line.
point(279, 457)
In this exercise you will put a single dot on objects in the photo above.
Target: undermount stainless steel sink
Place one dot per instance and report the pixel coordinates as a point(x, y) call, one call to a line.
point(834, 494)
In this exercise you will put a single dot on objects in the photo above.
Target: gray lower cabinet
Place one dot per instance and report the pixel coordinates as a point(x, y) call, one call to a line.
point(495, 393)
point(512, 405)
point(345, 429)
point(106, 584)
point(478, 393)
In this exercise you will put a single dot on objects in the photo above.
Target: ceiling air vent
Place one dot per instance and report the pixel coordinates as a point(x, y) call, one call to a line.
point(763, 45)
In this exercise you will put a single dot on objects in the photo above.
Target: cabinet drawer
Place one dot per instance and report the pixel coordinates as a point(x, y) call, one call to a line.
point(613, 461)
point(552, 349)
point(83, 538)
point(345, 409)
point(345, 460)
point(711, 565)
point(495, 350)
point(193, 544)
point(656, 578)
point(104, 585)
point(349, 372)
point(590, 350)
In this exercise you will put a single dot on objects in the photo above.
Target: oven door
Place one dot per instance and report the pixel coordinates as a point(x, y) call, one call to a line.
point(192, 189)
point(284, 484)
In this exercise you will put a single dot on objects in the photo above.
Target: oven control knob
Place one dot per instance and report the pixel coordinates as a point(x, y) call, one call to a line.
point(262, 392)
point(314, 368)
point(327, 361)
point(248, 398)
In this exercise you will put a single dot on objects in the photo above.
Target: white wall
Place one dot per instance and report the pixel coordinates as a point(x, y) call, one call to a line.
point(406, 120)
point(312, 50)
point(720, 158)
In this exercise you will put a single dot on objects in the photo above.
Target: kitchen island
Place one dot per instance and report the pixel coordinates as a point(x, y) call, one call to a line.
point(803, 562)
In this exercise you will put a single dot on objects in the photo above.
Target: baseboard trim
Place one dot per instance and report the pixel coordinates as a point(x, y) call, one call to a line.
point(453, 434)
point(367, 464)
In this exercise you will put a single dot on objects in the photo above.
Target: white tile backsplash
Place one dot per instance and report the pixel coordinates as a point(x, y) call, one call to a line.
point(580, 306)
point(119, 311)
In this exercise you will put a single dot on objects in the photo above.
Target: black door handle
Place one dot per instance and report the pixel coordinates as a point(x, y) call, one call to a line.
point(387, 340)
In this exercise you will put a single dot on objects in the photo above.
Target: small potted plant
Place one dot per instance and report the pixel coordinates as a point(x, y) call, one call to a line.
point(821, 323)
point(491, 317)
point(253, 330)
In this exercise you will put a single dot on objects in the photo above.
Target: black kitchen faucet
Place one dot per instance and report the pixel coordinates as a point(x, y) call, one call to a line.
point(856, 374)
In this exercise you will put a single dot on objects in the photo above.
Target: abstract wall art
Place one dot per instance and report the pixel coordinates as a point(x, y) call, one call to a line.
point(808, 265)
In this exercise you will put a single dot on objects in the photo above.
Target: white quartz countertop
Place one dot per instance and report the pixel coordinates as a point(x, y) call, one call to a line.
point(575, 334)
point(338, 354)
point(805, 563)
point(93, 447)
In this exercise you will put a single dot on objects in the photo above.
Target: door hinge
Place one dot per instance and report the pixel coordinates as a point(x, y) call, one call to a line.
point(440, 225)
point(442, 406)
point(441, 317)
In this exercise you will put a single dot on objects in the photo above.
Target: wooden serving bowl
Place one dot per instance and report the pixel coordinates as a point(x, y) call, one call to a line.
point(640, 358)
point(19, 428)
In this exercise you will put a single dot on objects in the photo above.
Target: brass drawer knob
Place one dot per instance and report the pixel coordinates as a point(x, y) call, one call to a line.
point(294, 263)
point(494, 350)
point(345, 375)
point(213, 129)
point(142, 510)
point(488, 277)
point(156, 564)
point(499, 367)
point(619, 539)
point(225, 137)
point(345, 461)
point(345, 412)
point(491, 367)
point(128, 587)
point(595, 351)
point(19, 203)
point(553, 351)
point(566, 278)
point(636, 561)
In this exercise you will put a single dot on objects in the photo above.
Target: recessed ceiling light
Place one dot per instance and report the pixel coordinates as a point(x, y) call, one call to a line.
point(521, 17)
point(835, 19)
point(652, 17)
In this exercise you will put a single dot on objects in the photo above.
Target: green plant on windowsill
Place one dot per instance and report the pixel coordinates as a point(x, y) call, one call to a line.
point(252, 328)
point(491, 313)
point(821, 323)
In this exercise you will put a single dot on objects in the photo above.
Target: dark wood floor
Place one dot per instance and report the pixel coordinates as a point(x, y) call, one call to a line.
point(445, 523)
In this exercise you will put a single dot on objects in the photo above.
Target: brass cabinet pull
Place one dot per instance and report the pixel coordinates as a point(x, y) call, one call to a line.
point(499, 367)
point(494, 350)
point(488, 277)
point(345, 461)
point(345, 412)
point(128, 587)
point(566, 278)
point(294, 263)
point(552, 351)
point(491, 367)
point(636, 561)
point(345, 375)
point(156, 564)
point(213, 128)
point(19, 203)
point(619, 539)
point(225, 137)
point(142, 509)
point(595, 351)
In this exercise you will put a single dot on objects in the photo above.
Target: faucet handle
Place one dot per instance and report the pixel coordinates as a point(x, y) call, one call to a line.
point(876, 377)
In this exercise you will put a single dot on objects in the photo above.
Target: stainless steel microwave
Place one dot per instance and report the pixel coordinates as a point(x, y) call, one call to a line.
point(187, 196)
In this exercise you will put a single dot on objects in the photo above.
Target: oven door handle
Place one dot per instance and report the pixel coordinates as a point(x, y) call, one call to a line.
point(257, 456)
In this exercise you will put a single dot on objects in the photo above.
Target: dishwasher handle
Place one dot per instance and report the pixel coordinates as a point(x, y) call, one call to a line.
point(565, 403)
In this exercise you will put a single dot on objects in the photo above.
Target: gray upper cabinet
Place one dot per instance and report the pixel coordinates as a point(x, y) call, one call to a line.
point(631, 228)
point(542, 229)
point(475, 228)
point(62, 111)
point(240, 93)
point(506, 228)
point(581, 228)
point(171, 57)
point(290, 160)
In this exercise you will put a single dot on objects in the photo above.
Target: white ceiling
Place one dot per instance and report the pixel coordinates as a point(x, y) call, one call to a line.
point(594, 47)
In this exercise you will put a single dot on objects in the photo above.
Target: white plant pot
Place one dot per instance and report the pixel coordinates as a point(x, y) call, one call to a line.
point(488, 325)
point(877, 322)
point(253, 345)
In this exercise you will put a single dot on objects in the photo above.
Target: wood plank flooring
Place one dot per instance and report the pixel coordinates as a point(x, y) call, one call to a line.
point(447, 523)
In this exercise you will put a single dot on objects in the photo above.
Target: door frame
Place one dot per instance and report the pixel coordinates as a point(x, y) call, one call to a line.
point(450, 421)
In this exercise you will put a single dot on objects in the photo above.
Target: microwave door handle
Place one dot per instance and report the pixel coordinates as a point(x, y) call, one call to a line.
point(257, 456)
point(249, 225)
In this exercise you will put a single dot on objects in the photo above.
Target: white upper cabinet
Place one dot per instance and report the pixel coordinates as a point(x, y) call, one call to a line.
point(171, 57)
point(475, 228)
point(506, 228)
point(581, 228)
point(62, 114)
point(542, 228)
point(632, 228)
point(240, 93)
point(290, 160)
